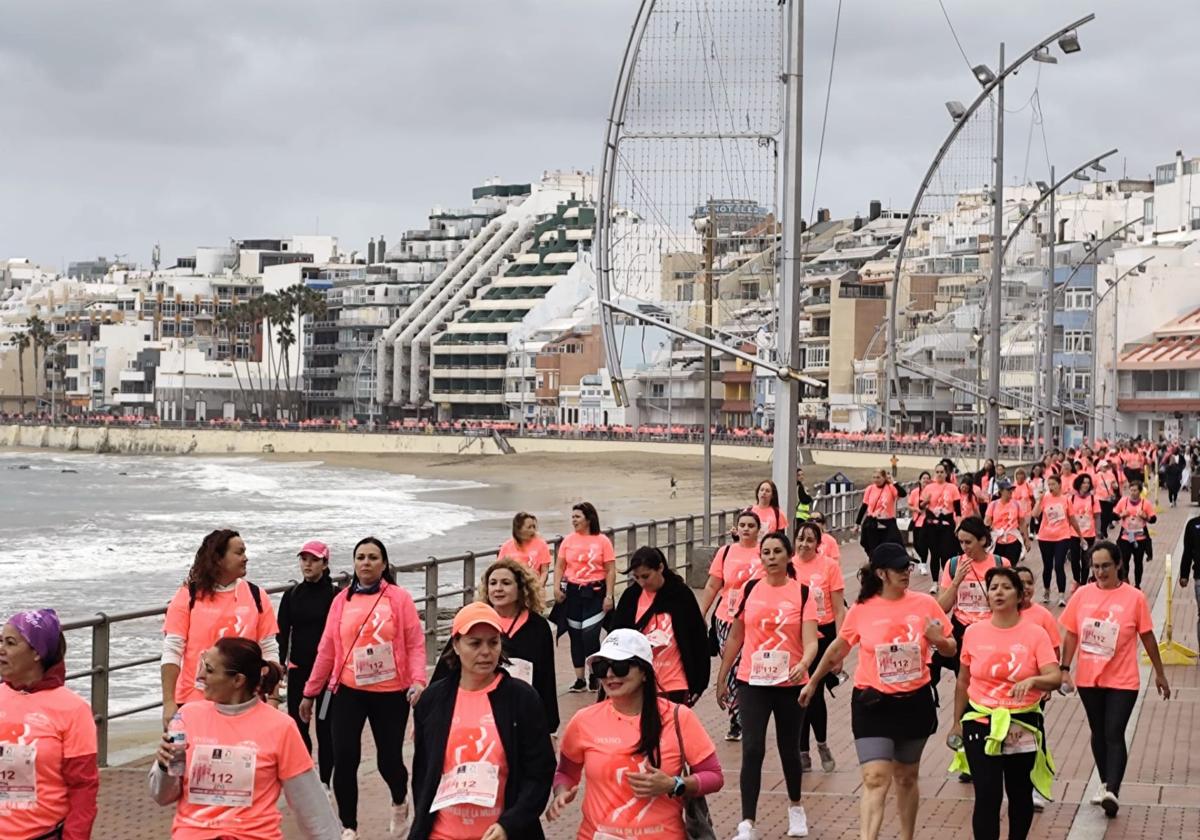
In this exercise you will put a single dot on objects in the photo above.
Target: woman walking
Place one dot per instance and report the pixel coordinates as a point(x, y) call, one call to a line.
point(215, 602)
point(585, 578)
point(1007, 520)
point(733, 565)
point(1134, 513)
point(775, 630)
point(941, 504)
point(916, 519)
point(892, 711)
point(50, 777)
point(1103, 623)
point(766, 505)
point(527, 547)
point(1008, 667)
point(370, 666)
point(876, 517)
point(1085, 511)
point(1054, 537)
point(638, 756)
point(483, 761)
point(659, 605)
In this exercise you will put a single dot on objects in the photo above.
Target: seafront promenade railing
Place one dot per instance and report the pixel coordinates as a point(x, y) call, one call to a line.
point(448, 583)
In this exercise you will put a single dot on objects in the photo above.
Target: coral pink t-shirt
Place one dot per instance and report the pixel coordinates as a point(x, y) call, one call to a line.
point(940, 498)
point(535, 554)
point(44, 727)
point(1001, 657)
point(773, 643)
point(473, 740)
point(1108, 485)
point(823, 576)
point(368, 638)
point(586, 557)
point(772, 520)
point(971, 605)
point(914, 510)
point(603, 740)
point(1006, 520)
point(895, 653)
point(220, 615)
point(881, 501)
point(1133, 516)
point(1084, 510)
point(1055, 525)
point(253, 753)
point(1107, 623)
point(829, 547)
point(660, 631)
point(1043, 618)
point(1023, 493)
point(733, 565)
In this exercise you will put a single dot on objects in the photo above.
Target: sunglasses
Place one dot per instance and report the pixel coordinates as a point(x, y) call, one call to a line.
point(601, 667)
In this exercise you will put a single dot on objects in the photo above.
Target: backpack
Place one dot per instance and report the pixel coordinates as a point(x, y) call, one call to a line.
point(954, 563)
point(255, 592)
point(750, 584)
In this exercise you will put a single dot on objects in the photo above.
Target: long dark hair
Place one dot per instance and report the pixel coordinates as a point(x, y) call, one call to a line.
point(811, 527)
point(869, 584)
point(202, 577)
point(782, 537)
point(589, 513)
point(244, 656)
point(774, 503)
point(388, 574)
point(652, 558)
point(650, 724)
point(518, 522)
point(974, 526)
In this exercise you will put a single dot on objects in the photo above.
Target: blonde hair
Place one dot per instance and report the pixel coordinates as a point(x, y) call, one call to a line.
point(529, 594)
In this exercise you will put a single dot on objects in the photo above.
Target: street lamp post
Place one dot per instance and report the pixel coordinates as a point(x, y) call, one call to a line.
point(1048, 326)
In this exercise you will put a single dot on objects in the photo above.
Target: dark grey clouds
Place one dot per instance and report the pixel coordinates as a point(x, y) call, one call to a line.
point(130, 122)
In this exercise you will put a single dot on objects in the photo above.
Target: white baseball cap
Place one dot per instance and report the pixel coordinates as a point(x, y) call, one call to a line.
point(620, 645)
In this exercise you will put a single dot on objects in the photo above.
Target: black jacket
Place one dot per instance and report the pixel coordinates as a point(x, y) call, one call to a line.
point(532, 642)
point(1190, 561)
point(527, 750)
point(302, 613)
point(691, 633)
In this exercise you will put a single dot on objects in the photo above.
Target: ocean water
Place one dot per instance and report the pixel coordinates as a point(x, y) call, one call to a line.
point(85, 534)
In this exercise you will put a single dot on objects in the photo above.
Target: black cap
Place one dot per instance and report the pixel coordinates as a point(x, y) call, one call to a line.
point(890, 555)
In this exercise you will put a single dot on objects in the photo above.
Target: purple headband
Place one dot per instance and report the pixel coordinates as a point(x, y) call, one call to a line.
point(40, 628)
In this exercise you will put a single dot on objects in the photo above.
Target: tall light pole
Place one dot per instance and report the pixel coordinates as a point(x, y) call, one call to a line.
point(993, 403)
point(1068, 41)
point(1048, 327)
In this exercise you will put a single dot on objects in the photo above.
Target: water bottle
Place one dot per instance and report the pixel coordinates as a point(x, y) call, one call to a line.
point(178, 739)
point(954, 741)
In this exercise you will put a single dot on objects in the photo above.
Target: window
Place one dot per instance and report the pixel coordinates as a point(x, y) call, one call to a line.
point(1079, 382)
point(1165, 174)
point(1196, 218)
point(866, 386)
point(1148, 212)
point(1077, 341)
point(816, 357)
point(1078, 299)
point(683, 292)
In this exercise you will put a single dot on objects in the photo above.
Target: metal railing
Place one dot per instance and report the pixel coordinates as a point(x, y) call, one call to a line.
point(678, 537)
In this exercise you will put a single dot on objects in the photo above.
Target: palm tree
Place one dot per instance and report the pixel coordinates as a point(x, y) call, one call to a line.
point(307, 301)
point(40, 338)
point(23, 343)
point(229, 321)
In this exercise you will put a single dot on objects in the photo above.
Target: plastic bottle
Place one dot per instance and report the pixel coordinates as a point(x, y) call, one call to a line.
point(177, 738)
point(954, 741)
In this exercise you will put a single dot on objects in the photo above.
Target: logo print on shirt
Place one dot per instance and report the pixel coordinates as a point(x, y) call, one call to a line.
point(643, 766)
point(14, 733)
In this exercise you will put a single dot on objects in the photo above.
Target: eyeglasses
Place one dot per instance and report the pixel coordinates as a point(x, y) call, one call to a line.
point(601, 667)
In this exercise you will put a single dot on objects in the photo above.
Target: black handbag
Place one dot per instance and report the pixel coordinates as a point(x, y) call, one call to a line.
point(697, 821)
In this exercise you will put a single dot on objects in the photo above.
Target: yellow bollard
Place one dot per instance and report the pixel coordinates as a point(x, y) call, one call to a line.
point(1171, 651)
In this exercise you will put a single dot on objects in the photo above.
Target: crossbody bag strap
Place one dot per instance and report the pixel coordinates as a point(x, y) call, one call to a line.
point(687, 769)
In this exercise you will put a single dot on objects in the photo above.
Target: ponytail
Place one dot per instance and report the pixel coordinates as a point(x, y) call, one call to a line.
point(244, 656)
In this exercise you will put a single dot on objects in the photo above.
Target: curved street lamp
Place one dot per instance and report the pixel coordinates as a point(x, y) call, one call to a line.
point(1068, 41)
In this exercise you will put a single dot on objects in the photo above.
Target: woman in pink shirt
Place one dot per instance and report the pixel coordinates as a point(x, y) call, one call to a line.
point(1054, 537)
point(1085, 511)
point(527, 547)
point(916, 518)
point(877, 515)
point(370, 666)
point(585, 578)
point(766, 505)
point(1104, 622)
point(1133, 515)
point(1007, 520)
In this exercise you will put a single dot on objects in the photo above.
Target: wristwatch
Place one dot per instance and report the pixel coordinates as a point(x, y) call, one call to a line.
point(680, 787)
point(1064, 668)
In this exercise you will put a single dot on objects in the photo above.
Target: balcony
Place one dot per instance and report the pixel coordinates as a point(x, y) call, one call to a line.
point(134, 399)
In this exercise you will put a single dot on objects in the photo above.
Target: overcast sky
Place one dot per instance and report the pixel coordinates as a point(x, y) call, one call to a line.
point(129, 122)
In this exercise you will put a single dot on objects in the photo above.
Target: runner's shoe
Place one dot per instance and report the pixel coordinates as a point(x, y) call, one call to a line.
point(827, 762)
point(797, 821)
point(746, 831)
point(578, 687)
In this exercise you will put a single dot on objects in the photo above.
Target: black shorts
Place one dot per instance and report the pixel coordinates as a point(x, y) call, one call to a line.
point(902, 717)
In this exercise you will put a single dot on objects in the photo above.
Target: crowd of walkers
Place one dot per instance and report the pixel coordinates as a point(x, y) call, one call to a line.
point(493, 761)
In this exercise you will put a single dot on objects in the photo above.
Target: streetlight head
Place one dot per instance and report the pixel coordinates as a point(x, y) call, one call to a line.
point(983, 74)
point(1098, 167)
point(1141, 269)
point(957, 110)
point(1042, 186)
point(1043, 55)
point(1069, 43)
point(1082, 176)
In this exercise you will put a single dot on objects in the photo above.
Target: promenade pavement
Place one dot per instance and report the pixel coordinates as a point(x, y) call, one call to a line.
point(1160, 797)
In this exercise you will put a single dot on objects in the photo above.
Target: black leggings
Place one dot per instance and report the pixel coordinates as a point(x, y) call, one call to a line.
point(585, 615)
point(297, 677)
point(816, 718)
point(942, 546)
point(992, 776)
point(756, 704)
point(1107, 517)
point(1135, 551)
point(1009, 551)
point(1108, 711)
point(920, 543)
point(388, 713)
point(1054, 562)
point(1079, 548)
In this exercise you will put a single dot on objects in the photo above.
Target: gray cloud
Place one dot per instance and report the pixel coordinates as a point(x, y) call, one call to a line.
point(126, 122)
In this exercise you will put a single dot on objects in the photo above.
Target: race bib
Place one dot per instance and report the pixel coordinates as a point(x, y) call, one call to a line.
point(374, 664)
point(18, 775)
point(1099, 637)
point(971, 597)
point(471, 783)
point(1083, 522)
point(818, 594)
point(1019, 740)
point(769, 667)
point(898, 663)
point(1055, 514)
point(1134, 526)
point(521, 669)
point(222, 776)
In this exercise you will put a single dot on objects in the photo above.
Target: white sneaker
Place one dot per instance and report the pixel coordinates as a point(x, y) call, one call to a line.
point(923, 569)
point(399, 821)
point(349, 834)
point(1110, 804)
point(1039, 802)
point(797, 821)
point(746, 831)
point(1099, 797)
